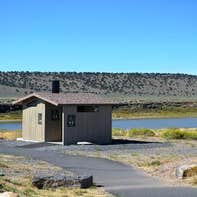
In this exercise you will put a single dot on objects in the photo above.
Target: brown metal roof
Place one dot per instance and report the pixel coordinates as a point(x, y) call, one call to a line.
point(67, 98)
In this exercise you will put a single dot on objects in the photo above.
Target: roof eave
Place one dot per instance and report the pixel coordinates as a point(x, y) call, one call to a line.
point(20, 101)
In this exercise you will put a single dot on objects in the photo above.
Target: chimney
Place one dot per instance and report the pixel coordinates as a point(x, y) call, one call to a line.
point(55, 86)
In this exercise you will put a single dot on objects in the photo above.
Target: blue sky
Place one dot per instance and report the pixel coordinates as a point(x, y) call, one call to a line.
point(99, 35)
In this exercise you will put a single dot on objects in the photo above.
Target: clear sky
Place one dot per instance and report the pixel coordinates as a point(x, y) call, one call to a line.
point(99, 35)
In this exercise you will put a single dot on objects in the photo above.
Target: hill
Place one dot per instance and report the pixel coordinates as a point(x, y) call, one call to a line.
point(121, 85)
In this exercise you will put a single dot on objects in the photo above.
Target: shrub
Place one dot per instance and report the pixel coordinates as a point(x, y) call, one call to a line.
point(191, 135)
point(141, 132)
point(173, 133)
point(155, 163)
point(119, 132)
point(3, 165)
point(190, 172)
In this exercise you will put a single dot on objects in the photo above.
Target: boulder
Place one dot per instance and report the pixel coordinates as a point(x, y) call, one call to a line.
point(1, 173)
point(187, 170)
point(85, 181)
point(8, 194)
point(43, 181)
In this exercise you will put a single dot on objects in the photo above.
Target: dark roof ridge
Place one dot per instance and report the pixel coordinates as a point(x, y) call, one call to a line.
point(67, 98)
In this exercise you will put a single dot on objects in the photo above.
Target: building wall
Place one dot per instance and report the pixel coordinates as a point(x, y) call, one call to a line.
point(31, 130)
point(53, 131)
point(90, 126)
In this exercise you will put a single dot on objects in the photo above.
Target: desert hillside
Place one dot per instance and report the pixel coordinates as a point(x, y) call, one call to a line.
point(143, 85)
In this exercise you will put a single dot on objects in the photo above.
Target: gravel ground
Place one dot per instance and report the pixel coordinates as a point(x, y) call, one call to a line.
point(182, 148)
point(116, 177)
point(14, 143)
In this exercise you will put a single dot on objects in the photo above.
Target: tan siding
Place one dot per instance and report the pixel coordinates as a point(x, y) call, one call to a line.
point(31, 129)
point(90, 126)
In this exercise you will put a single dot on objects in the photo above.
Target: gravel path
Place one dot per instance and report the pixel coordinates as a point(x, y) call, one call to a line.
point(117, 178)
point(118, 147)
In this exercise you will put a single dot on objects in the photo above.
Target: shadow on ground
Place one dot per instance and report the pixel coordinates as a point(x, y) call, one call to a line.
point(116, 143)
point(126, 141)
point(37, 145)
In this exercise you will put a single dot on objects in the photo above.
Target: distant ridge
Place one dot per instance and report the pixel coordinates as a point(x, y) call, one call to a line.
point(133, 84)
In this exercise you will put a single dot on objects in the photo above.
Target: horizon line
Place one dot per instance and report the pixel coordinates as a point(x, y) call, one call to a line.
point(107, 72)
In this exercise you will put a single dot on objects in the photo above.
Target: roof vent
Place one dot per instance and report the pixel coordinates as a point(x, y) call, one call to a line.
point(55, 86)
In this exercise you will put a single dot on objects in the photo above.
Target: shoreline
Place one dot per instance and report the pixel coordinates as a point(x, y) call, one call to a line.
point(7, 121)
point(153, 117)
point(120, 118)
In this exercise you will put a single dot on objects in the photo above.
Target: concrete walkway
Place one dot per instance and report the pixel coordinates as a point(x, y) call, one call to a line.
point(117, 178)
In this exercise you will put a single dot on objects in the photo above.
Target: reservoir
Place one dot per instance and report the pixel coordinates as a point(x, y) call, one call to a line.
point(156, 123)
point(10, 125)
point(131, 123)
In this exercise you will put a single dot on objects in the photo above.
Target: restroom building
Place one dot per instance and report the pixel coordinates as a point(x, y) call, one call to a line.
point(66, 117)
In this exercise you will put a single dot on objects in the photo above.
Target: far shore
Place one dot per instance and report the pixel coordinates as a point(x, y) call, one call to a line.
point(2, 121)
point(119, 118)
point(152, 117)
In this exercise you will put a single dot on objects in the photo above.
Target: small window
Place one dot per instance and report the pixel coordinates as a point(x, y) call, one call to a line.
point(39, 118)
point(71, 119)
point(54, 114)
point(87, 108)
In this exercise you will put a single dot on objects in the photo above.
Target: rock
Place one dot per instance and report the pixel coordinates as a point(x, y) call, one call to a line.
point(86, 181)
point(1, 173)
point(186, 170)
point(8, 194)
point(62, 181)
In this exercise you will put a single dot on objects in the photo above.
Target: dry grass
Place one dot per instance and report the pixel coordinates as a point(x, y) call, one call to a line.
point(194, 181)
point(133, 132)
point(18, 174)
point(15, 115)
point(170, 133)
point(10, 135)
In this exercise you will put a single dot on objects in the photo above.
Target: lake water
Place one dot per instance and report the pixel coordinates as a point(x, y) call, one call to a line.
point(127, 124)
point(156, 123)
point(10, 125)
